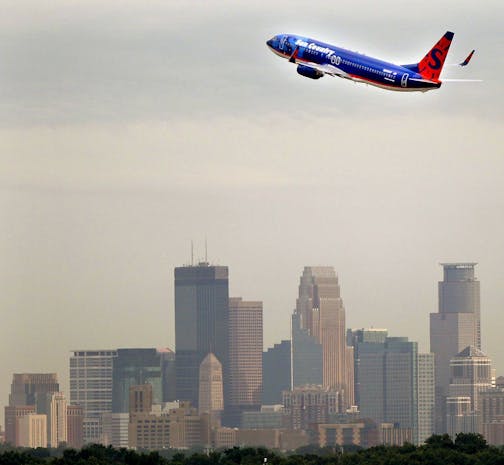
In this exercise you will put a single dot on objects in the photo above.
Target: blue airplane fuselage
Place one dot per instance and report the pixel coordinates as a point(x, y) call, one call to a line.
point(315, 58)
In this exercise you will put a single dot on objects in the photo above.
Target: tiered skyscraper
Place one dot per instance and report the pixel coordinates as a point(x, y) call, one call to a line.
point(201, 324)
point(320, 318)
point(455, 327)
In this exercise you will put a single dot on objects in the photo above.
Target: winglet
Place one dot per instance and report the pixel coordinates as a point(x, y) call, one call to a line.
point(467, 60)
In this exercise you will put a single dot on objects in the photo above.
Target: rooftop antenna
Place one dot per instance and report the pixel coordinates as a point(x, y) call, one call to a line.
point(192, 253)
point(206, 250)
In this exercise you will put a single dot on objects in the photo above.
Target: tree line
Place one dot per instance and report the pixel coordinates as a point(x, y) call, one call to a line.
point(466, 449)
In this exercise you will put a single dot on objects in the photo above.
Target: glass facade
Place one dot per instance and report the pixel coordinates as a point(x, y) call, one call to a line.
point(306, 356)
point(276, 372)
point(201, 324)
point(395, 384)
point(132, 367)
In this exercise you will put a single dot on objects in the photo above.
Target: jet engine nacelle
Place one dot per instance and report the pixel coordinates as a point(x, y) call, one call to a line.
point(309, 72)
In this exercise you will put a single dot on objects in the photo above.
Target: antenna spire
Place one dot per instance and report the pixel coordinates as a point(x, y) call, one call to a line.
point(192, 253)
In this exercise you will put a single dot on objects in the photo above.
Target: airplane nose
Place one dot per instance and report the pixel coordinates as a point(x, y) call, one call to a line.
point(269, 43)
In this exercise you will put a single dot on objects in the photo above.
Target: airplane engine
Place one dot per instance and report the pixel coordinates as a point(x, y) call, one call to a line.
point(309, 72)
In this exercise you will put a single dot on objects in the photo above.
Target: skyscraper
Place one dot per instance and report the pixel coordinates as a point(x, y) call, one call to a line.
point(245, 359)
point(308, 406)
point(307, 356)
point(26, 387)
point(276, 372)
point(32, 431)
point(320, 311)
point(396, 385)
point(91, 388)
point(54, 405)
point(359, 336)
point(470, 374)
point(26, 390)
point(133, 367)
point(75, 430)
point(201, 324)
point(426, 396)
point(211, 395)
point(454, 327)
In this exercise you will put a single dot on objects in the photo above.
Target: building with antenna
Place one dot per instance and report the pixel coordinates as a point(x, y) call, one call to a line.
point(201, 324)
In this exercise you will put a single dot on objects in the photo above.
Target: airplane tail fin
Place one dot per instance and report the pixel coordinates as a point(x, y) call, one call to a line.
point(431, 65)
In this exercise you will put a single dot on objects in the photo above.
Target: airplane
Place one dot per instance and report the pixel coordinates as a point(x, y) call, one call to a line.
point(315, 59)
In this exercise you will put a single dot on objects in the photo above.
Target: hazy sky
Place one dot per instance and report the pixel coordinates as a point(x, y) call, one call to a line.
point(129, 128)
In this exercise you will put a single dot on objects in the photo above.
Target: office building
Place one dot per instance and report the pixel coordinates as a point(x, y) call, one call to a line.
point(54, 405)
point(307, 364)
point(360, 336)
point(276, 365)
point(455, 326)
point(185, 427)
point(147, 428)
point(32, 431)
point(132, 367)
point(26, 387)
point(320, 312)
point(115, 429)
point(491, 403)
point(307, 407)
point(396, 385)
point(470, 374)
point(426, 396)
point(201, 324)
point(12, 416)
point(168, 374)
point(363, 433)
point(245, 359)
point(75, 426)
point(91, 388)
point(269, 417)
point(460, 417)
point(391, 434)
point(211, 394)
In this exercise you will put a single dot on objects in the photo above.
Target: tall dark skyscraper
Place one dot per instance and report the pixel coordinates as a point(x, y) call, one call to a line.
point(201, 324)
point(455, 327)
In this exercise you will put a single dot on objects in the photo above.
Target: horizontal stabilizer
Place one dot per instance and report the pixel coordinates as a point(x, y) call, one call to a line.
point(468, 59)
point(462, 80)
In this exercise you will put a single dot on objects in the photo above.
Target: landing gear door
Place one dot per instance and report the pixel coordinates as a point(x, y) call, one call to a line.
point(404, 80)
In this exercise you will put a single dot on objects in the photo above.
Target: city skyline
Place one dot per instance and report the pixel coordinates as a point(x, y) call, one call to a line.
point(64, 374)
point(112, 159)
